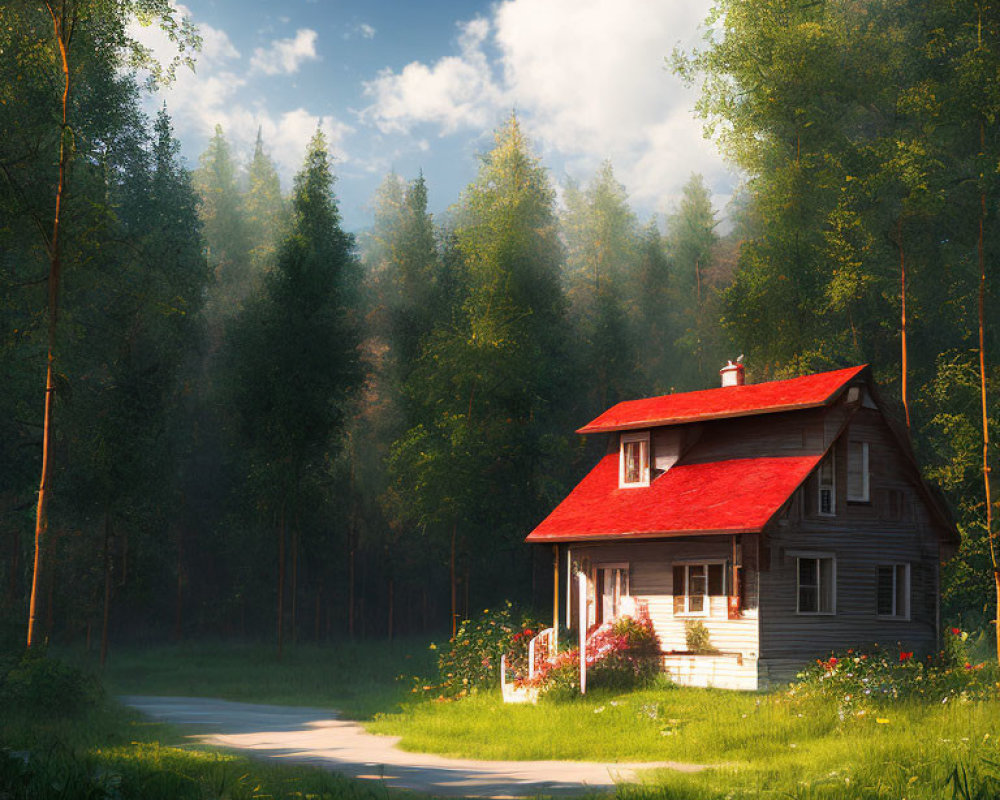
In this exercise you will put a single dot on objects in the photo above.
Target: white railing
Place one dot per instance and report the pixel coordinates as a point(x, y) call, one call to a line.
point(540, 649)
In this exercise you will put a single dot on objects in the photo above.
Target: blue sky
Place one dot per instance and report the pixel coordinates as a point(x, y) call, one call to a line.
point(410, 86)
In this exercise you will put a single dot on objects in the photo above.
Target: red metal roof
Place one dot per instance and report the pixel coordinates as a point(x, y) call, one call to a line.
point(732, 496)
point(808, 391)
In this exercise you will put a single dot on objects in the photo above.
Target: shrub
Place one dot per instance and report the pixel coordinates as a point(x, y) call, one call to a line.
point(621, 654)
point(696, 637)
point(859, 680)
point(472, 660)
point(43, 686)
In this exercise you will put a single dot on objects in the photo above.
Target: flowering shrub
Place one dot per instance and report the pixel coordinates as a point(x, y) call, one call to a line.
point(870, 679)
point(620, 654)
point(472, 659)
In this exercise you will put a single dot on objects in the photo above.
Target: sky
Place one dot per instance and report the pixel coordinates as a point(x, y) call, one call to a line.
point(411, 86)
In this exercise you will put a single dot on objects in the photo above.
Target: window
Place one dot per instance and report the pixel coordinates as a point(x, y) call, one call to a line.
point(695, 584)
point(633, 468)
point(611, 585)
point(857, 473)
point(892, 592)
point(816, 577)
point(828, 484)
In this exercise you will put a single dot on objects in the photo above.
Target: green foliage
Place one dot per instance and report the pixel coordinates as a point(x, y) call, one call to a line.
point(45, 687)
point(472, 659)
point(863, 682)
point(696, 637)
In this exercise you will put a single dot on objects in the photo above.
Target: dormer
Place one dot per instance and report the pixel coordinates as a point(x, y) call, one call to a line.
point(633, 459)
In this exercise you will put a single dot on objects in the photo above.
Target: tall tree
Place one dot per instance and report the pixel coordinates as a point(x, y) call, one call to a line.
point(294, 358)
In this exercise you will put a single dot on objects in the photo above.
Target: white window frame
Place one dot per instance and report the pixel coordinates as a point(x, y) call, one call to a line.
point(831, 459)
point(907, 590)
point(865, 496)
point(815, 556)
point(707, 604)
point(627, 438)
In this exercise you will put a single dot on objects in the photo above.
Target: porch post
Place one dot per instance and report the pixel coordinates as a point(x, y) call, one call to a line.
point(581, 580)
point(555, 598)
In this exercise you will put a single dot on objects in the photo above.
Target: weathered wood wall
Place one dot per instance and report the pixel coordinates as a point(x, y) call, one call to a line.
point(893, 527)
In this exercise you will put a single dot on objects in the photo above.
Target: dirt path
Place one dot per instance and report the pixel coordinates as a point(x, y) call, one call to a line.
point(317, 737)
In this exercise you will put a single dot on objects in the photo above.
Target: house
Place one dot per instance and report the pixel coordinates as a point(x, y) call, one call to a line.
point(784, 519)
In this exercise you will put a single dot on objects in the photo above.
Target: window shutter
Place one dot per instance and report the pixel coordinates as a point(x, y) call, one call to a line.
point(678, 589)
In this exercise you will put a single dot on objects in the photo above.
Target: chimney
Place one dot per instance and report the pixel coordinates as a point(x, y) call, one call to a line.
point(732, 374)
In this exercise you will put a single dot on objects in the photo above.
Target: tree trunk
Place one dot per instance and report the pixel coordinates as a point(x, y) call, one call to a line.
point(454, 588)
point(55, 267)
point(982, 391)
point(295, 582)
point(902, 295)
point(281, 583)
point(107, 588)
point(391, 599)
point(179, 601)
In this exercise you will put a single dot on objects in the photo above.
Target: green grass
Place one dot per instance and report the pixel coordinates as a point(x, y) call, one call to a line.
point(358, 680)
point(759, 745)
point(110, 753)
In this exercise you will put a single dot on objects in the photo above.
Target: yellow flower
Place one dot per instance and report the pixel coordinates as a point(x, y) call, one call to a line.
point(882, 721)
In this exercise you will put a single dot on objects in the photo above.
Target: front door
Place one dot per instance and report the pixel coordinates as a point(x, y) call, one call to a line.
point(611, 585)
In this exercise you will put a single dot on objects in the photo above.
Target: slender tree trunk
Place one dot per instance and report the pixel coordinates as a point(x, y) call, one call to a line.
point(295, 581)
point(107, 588)
point(350, 589)
point(391, 598)
point(179, 601)
point(281, 583)
point(902, 295)
point(453, 578)
point(318, 613)
point(982, 391)
point(62, 36)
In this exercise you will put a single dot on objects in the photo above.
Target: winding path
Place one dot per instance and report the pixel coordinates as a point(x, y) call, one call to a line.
point(319, 738)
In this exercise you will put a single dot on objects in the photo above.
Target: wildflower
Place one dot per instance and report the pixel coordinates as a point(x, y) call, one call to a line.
point(905, 656)
point(882, 721)
point(956, 631)
point(433, 646)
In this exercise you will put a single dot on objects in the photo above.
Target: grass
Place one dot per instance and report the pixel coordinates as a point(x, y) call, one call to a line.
point(759, 745)
point(110, 753)
point(359, 680)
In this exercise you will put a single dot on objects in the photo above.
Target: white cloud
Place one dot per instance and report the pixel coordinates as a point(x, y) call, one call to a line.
point(285, 56)
point(588, 79)
point(456, 92)
point(366, 31)
point(210, 96)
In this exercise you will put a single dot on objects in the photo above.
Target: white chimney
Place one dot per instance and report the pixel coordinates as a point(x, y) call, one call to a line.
point(732, 374)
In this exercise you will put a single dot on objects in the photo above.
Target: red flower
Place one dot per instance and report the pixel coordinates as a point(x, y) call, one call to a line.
point(833, 662)
point(956, 631)
point(904, 656)
point(528, 632)
point(968, 665)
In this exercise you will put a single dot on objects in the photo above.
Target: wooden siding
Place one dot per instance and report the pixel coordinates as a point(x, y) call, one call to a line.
point(651, 580)
point(860, 536)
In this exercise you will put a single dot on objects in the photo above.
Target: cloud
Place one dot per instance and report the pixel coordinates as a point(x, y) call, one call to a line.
point(455, 92)
point(209, 96)
point(365, 30)
point(285, 56)
point(588, 80)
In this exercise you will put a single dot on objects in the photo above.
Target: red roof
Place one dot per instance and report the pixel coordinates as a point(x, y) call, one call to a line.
point(732, 496)
point(808, 391)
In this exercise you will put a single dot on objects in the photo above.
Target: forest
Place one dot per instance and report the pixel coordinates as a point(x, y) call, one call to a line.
point(224, 415)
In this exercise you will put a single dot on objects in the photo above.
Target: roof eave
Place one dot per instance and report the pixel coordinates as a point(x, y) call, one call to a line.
point(640, 535)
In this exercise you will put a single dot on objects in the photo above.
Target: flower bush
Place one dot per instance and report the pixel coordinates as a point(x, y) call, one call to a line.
point(860, 680)
point(472, 658)
point(622, 653)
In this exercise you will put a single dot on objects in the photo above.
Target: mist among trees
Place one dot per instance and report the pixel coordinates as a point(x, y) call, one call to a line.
point(263, 425)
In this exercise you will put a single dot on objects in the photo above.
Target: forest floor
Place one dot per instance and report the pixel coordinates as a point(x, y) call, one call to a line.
point(764, 744)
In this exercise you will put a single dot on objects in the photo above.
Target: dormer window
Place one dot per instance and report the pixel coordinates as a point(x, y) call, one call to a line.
point(633, 460)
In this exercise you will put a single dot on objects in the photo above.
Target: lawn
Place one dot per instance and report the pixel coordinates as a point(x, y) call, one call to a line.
point(758, 745)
